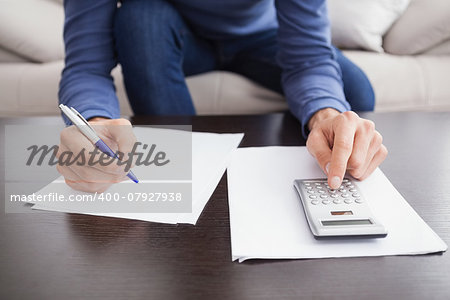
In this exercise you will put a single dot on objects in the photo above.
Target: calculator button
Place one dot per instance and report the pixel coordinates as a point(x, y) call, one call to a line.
point(307, 184)
point(334, 196)
point(317, 183)
point(337, 201)
point(319, 187)
point(351, 186)
point(311, 192)
point(312, 197)
point(352, 190)
point(309, 187)
point(323, 196)
point(356, 195)
point(342, 190)
point(321, 192)
point(345, 195)
point(314, 202)
point(345, 180)
point(348, 201)
point(332, 191)
point(359, 200)
point(326, 202)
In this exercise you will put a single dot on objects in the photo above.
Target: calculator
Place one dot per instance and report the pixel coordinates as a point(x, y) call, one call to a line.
point(337, 213)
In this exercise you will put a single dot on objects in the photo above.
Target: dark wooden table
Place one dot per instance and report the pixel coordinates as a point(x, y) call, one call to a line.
point(65, 256)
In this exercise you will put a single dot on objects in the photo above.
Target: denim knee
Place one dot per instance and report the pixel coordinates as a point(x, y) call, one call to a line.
point(357, 87)
point(148, 38)
point(147, 29)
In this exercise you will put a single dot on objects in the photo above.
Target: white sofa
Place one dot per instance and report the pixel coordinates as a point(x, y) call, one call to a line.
point(413, 73)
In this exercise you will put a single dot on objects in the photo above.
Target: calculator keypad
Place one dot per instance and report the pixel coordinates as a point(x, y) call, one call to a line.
point(321, 194)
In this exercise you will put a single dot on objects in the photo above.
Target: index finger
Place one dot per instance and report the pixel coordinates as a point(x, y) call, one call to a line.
point(342, 149)
point(121, 132)
point(118, 135)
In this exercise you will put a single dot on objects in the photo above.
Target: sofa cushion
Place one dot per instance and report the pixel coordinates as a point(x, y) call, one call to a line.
point(400, 83)
point(32, 29)
point(441, 49)
point(7, 56)
point(406, 82)
point(360, 24)
point(425, 24)
point(220, 92)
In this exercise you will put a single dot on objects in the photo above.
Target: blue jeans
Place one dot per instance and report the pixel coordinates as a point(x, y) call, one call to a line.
point(157, 50)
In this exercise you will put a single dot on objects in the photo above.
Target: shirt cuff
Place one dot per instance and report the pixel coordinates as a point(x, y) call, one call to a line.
point(90, 113)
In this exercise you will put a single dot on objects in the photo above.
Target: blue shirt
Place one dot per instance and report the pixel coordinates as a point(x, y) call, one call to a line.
point(311, 76)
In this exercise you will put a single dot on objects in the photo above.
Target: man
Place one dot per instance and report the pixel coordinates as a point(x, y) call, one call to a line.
point(283, 45)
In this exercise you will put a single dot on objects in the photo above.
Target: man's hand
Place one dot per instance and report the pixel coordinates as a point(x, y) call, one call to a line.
point(344, 142)
point(95, 177)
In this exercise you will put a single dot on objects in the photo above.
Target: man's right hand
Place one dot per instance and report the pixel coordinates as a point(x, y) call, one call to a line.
point(344, 142)
point(94, 177)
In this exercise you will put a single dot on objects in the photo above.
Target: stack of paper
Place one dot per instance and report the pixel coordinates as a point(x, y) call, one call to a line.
point(267, 218)
point(211, 155)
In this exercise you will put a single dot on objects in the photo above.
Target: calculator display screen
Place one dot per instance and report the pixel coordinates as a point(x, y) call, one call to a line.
point(346, 222)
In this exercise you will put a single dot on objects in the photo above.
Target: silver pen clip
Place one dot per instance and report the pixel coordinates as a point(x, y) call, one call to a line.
point(83, 119)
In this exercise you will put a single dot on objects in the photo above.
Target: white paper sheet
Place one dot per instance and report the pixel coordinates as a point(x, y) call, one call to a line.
point(211, 155)
point(267, 219)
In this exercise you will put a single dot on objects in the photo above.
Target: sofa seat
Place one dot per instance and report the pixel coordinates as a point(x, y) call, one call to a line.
point(400, 83)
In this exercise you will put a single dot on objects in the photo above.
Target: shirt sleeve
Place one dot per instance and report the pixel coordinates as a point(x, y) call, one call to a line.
point(311, 76)
point(86, 83)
